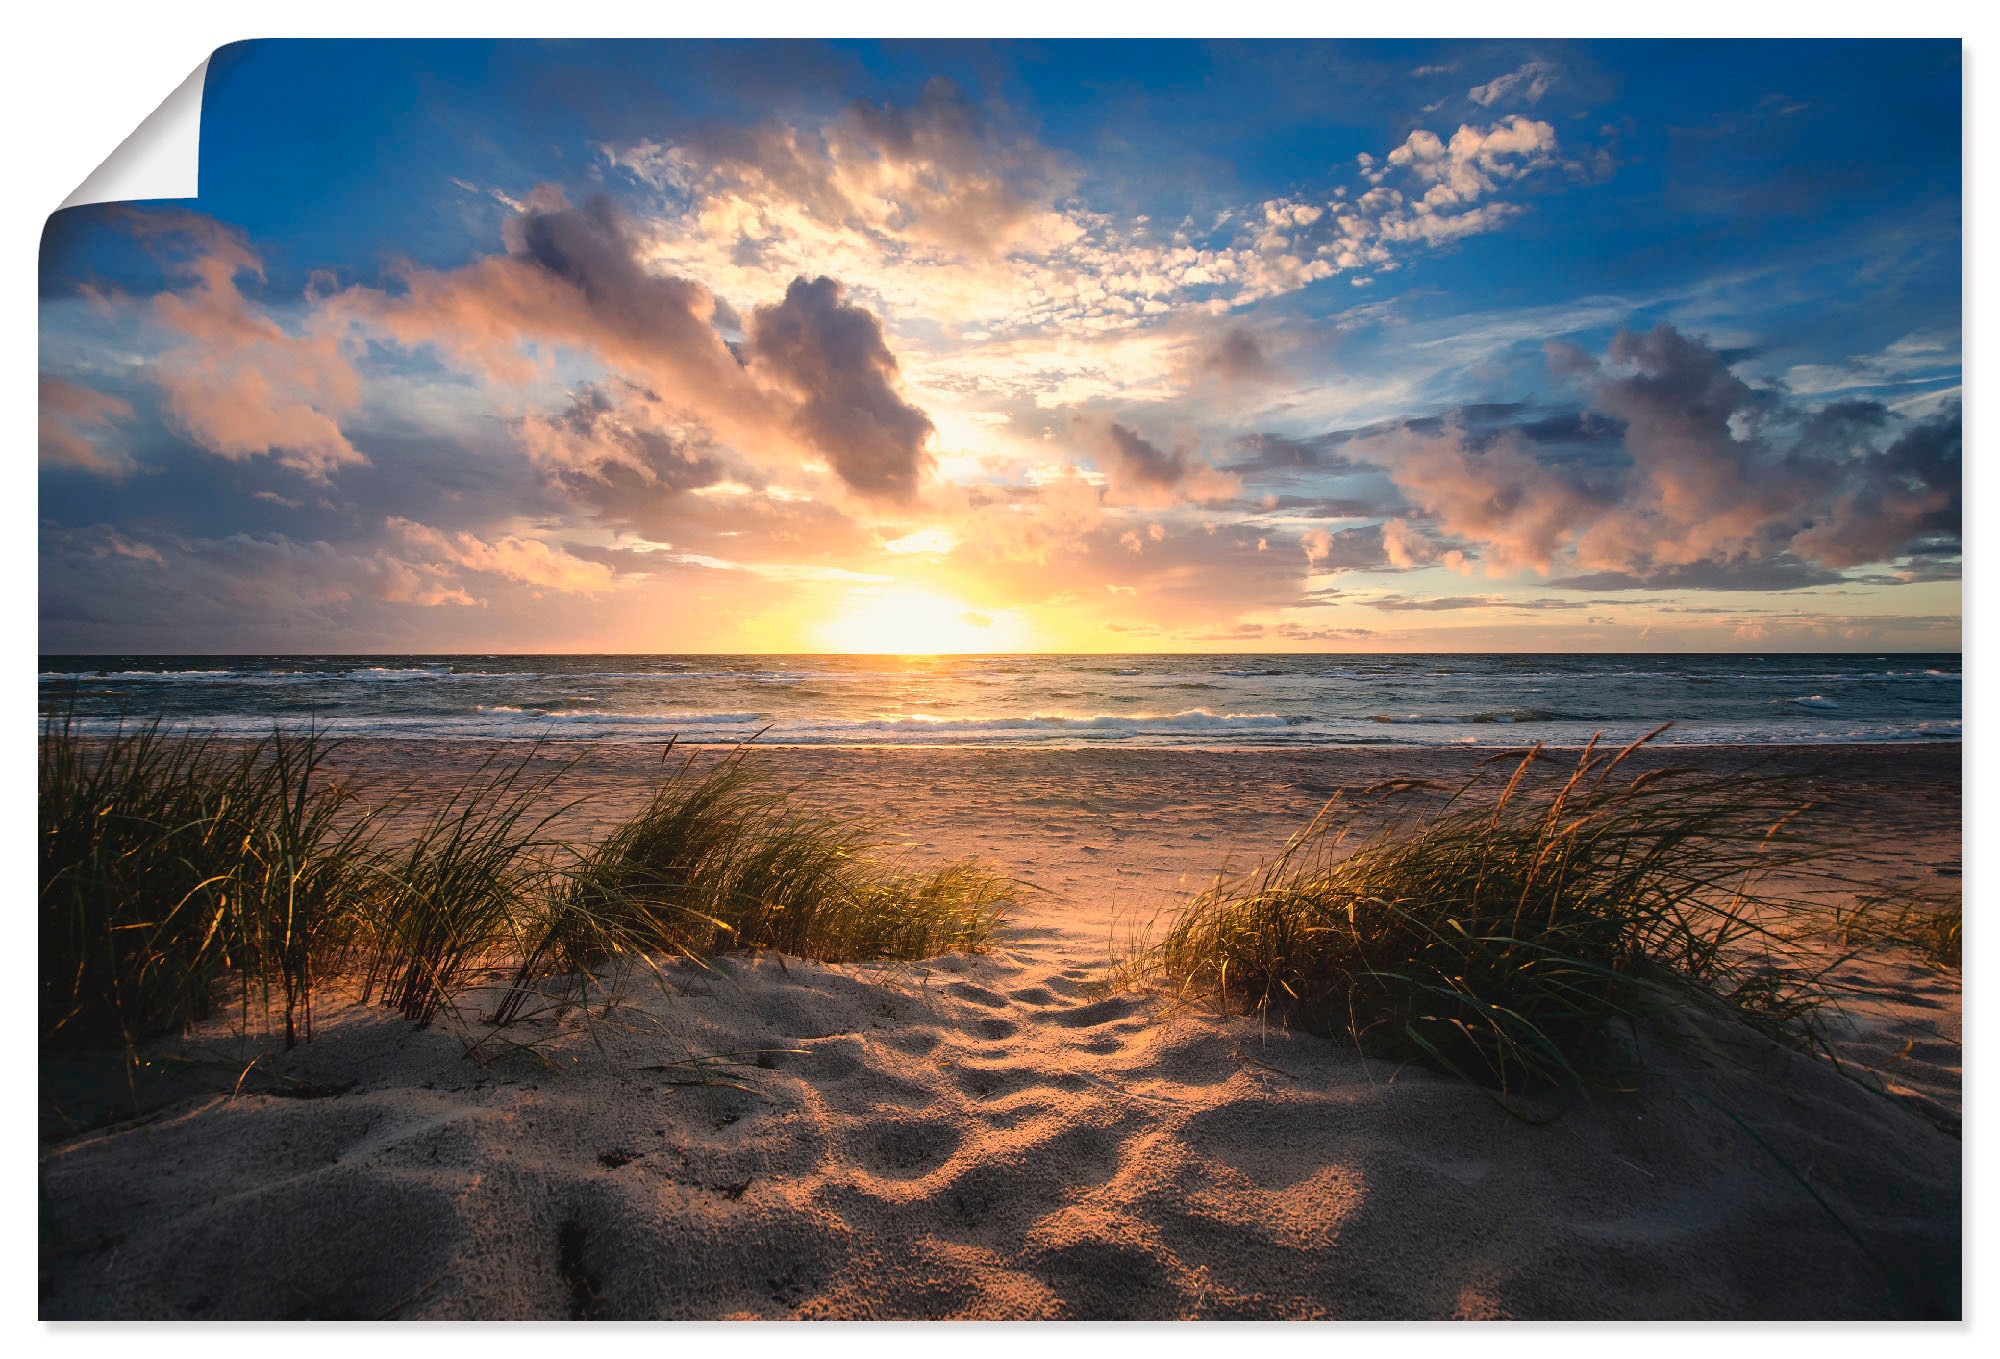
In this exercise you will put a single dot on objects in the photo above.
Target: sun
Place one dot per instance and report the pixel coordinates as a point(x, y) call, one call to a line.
point(907, 621)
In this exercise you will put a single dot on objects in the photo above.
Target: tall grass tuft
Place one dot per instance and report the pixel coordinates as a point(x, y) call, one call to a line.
point(169, 861)
point(1934, 929)
point(723, 859)
point(1501, 939)
point(452, 896)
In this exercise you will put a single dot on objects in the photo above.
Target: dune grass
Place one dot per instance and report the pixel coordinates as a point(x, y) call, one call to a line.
point(1935, 930)
point(178, 868)
point(441, 903)
point(1501, 938)
point(724, 858)
point(169, 862)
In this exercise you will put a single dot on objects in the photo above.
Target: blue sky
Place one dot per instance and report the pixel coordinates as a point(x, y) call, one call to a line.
point(1048, 346)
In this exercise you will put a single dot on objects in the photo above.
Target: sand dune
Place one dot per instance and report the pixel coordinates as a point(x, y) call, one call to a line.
point(1000, 1136)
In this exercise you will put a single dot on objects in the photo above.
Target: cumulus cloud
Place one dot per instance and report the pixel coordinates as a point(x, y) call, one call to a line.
point(830, 357)
point(74, 427)
point(241, 385)
point(1716, 474)
point(1142, 473)
point(814, 377)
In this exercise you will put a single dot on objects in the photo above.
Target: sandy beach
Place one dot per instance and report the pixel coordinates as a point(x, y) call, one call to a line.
point(1012, 1135)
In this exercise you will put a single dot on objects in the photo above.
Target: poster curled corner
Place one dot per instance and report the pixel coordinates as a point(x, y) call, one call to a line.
point(162, 157)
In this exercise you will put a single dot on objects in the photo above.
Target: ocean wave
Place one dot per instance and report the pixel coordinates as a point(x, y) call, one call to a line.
point(1452, 720)
point(1194, 719)
point(1813, 701)
point(396, 674)
point(162, 675)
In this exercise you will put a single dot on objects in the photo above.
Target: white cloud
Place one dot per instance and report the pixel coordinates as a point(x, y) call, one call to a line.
point(1530, 82)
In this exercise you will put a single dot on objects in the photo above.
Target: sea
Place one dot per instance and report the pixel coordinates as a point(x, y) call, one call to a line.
point(1169, 701)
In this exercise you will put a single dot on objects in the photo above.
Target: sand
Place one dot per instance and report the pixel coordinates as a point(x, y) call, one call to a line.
point(1008, 1136)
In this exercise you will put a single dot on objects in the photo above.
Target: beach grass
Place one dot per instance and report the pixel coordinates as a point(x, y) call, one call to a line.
point(441, 904)
point(1501, 937)
point(170, 862)
point(180, 870)
point(1934, 929)
point(723, 858)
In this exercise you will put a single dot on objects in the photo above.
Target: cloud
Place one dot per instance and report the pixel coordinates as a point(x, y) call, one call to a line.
point(938, 173)
point(73, 423)
point(1529, 83)
point(1932, 356)
point(613, 434)
point(1715, 475)
point(241, 592)
point(1349, 549)
point(1298, 632)
point(939, 208)
point(831, 358)
point(814, 377)
point(1142, 473)
point(1430, 603)
point(1234, 359)
point(1782, 573)
point(1264, 451)
point(1520, 510)
point(242, 386)
point(526, 560)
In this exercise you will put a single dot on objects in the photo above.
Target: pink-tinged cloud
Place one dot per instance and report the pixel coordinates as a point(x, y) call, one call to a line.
point(240, 385)
point(1142, 473)
point(74, 429)
point(529, 561)
point(815, 378)
point(1719, 475)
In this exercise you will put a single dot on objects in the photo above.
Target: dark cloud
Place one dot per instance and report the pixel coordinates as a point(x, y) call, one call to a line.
point(588, 249)
point(1351, 549)
point(609, 455)
point(1141, 471)
point(1264, 452)
point(1906, 496)
point(832, 358)
point(1783, 573)
point(814, 374)
point(1235, 358)
point(1680, 472)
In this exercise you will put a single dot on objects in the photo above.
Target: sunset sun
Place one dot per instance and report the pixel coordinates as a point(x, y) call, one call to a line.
point(912, 621)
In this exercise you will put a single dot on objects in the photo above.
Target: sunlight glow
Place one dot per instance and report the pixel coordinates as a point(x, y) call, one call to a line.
point(909, 621)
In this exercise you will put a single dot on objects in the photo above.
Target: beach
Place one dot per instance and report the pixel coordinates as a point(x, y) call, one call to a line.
point(1017, 1134)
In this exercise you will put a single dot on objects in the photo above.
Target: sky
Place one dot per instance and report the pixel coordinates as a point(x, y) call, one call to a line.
point(1073, 346)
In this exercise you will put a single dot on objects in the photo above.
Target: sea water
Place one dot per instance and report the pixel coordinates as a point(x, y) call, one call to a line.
point(1141, 701)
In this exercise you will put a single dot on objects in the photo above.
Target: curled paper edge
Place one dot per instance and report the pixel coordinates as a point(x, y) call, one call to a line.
point(162, 157)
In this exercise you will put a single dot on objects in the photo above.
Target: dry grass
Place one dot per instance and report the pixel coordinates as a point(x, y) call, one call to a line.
point(169, 863)
point(724, 859)
point(176, 868)
point(1501, 938)
point(1935, 930)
